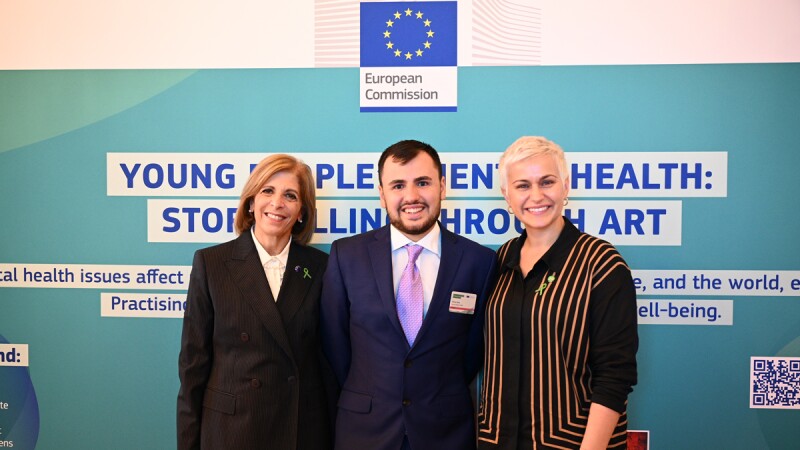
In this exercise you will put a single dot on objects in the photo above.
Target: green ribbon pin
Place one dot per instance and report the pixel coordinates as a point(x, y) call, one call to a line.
point(541, 289)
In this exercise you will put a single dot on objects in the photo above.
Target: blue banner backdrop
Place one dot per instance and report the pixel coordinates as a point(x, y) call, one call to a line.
point(105, 382)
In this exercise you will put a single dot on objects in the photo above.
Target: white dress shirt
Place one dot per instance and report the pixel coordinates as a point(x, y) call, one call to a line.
point(274, 266)
point(427, 261)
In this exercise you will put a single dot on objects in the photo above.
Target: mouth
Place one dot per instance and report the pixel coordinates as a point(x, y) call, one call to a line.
point(412, 210)
point(538, 209)
point(274, 217)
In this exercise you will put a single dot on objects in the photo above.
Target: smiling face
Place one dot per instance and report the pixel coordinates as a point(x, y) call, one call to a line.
point(536, 192)
point(276, 207)
point(412, 194)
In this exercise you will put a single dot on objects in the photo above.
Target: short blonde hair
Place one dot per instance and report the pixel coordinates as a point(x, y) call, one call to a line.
point(266, 169)
point(528, 147)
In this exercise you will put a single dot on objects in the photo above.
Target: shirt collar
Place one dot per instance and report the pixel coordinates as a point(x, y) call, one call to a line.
point(430, 242)
point(264, 256)
point(555, 256)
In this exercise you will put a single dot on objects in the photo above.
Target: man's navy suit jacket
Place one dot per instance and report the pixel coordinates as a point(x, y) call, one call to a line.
point(388, 389)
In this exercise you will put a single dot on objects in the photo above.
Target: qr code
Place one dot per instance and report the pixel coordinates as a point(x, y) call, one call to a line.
point(774, 382)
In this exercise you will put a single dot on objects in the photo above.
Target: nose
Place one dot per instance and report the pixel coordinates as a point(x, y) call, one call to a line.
point(536, 193)
point(412, 193)
point(276, 201)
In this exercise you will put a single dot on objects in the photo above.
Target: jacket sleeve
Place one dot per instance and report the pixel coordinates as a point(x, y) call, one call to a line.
point(196, 355)
point(474, 352)
point(614, 338)
point(335, 318)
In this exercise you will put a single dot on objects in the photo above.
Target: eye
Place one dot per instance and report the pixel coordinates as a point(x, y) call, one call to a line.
point(291, 196)
point(522, 186)
point(397, 187)
point(267, 191)
point(423, 183)
point(549, 181)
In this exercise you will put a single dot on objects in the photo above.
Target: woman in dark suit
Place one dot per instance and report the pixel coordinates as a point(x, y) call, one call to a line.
point(250, 361)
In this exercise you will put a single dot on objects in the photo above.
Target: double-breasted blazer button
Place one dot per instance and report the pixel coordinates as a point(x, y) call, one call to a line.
point(406, 402)
point(255, 383)
point(244, 337)
point(292, 379)
point(408, 363)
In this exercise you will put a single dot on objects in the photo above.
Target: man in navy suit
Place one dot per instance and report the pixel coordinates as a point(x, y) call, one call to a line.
point(406, 386)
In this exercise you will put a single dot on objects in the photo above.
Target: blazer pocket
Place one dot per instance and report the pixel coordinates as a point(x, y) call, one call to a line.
point(454, 405)
point(355, 402)
point(219, 401)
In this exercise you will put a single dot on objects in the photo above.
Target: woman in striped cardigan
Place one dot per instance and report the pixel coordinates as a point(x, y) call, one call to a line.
point(561, 335)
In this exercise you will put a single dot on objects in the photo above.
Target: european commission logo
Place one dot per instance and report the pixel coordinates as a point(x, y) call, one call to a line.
point(405, 34)
point(409, 56)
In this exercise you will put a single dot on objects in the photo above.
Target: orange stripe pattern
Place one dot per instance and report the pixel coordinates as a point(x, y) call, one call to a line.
point(561, 377)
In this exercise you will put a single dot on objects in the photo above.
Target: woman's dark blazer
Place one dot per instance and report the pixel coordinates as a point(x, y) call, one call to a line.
point(250, 367)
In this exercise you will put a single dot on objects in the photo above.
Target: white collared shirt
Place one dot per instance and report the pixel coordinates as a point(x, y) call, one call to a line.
point(427, 261)
point(274, 266)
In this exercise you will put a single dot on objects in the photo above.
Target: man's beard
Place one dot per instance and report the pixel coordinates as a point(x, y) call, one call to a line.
point(417, 229)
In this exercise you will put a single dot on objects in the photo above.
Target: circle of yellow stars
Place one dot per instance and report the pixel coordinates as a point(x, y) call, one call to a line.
point(388, 34)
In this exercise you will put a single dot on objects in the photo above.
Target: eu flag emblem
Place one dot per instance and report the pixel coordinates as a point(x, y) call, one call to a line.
point(408, 34)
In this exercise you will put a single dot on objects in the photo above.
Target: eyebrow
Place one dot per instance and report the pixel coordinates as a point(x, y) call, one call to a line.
point(273, 187)
point(423, 178)
point(539, 178)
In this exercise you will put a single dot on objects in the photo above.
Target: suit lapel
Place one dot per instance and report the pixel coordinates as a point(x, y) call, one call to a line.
point(297, 280)
point(380, 255)
point(247, 272)
point(448, 269)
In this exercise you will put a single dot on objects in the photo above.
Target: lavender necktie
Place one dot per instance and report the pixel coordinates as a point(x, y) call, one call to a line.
point(410, 296)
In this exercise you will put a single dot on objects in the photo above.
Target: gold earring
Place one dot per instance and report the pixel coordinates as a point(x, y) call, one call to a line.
point(509, 209)
point(566, 201)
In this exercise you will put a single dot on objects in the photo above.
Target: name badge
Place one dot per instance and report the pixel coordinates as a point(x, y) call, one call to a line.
point(462, 302)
